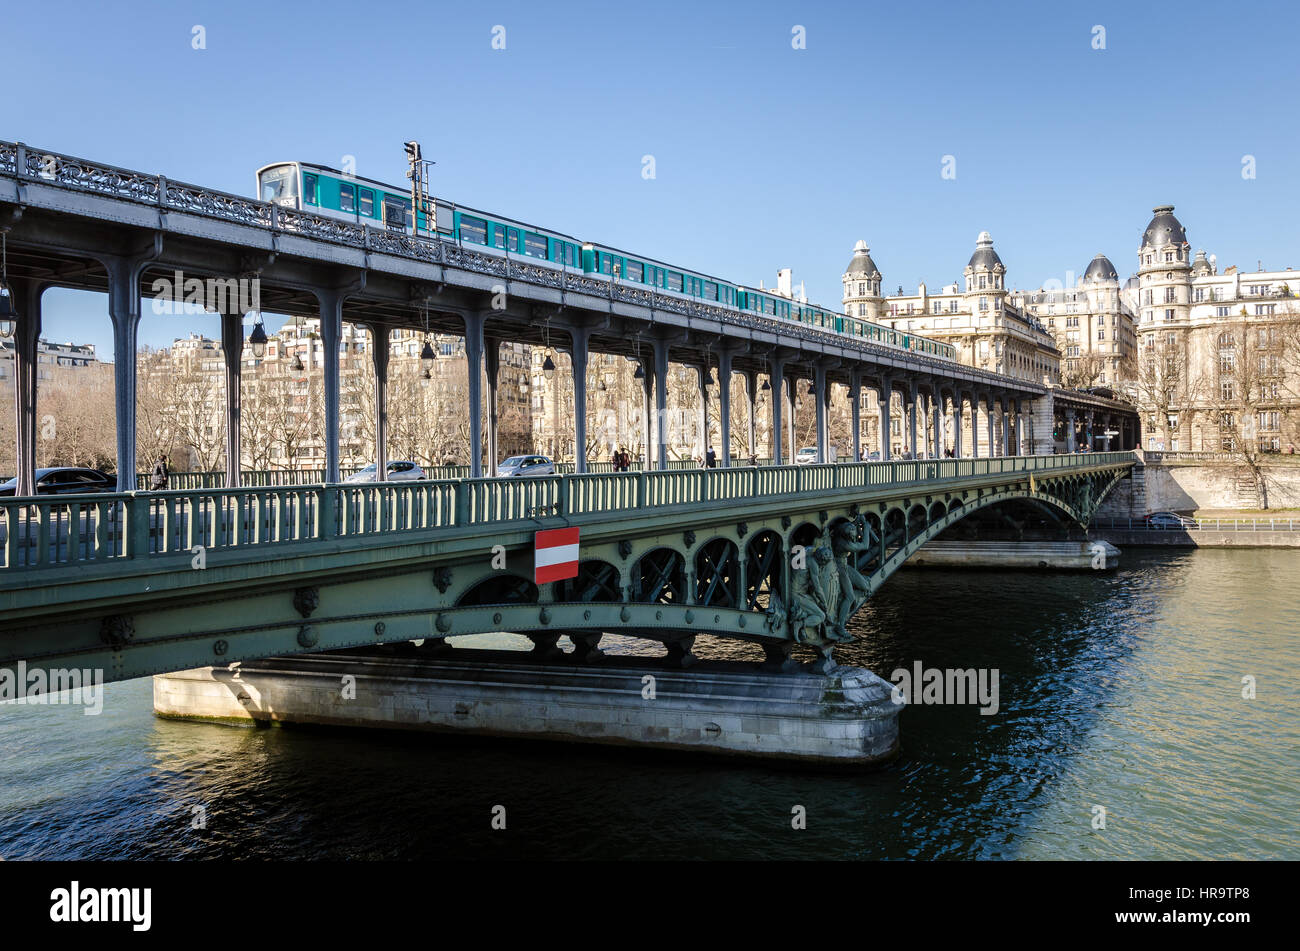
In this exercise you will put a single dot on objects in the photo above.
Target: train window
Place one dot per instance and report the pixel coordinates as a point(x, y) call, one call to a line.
point(710, 290)
point(569, 253)
point(771, 307)
point(512, 238)
point(397, 211)
point(534, 245)
point(347, 197)
point(635, 271)
point(367, 202)
point(608, 262)
point(309, 190)
point(674, 281)
point(498, 236)
point(473, 230)
point(279, 184)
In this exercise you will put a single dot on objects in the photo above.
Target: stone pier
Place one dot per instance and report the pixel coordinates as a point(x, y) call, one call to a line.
point(845, 717)
point(1094, 555)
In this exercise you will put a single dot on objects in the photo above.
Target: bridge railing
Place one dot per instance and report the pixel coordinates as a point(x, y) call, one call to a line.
point(90, 529)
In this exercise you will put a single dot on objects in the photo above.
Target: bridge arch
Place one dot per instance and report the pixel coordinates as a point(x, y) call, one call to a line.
point(500, 588)
point(659, 575)
point(717, 573)
point(597, 581)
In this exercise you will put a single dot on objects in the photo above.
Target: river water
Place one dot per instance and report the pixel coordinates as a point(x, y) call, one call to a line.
point(1122, 691)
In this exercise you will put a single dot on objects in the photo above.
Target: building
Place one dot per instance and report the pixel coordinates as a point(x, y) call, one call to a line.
point(48, 356)
point(978, 316)
point(1092, 325)
point(1218, 353)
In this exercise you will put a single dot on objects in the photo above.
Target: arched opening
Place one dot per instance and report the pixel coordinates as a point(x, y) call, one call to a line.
point(717, 577)
point(659, 575)
point(500, 589)
point(596, 581)
point(763, 555)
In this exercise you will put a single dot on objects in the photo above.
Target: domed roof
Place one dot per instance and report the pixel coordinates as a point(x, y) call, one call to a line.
point(1164, 229)
point(984, 255)
point(861, 264)
point(1101, 270)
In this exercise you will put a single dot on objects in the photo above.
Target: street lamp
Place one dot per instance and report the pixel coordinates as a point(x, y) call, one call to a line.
point(257, 339)
point(427, 357)
point(548, 367)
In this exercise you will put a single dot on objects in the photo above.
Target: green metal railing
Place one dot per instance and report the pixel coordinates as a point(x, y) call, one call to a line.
point(87, 529)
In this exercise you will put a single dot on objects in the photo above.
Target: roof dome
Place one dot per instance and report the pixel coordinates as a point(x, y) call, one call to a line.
point(861, 264)
point(1100, 270)
point(1164, 229)
point(984, 255)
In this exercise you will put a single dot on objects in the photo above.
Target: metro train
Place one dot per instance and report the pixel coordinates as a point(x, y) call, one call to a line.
point(332, 193)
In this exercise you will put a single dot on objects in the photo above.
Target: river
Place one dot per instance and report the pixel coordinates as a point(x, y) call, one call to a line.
point(1120, 691)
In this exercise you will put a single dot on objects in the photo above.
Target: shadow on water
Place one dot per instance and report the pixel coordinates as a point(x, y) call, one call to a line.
point(1106, 692)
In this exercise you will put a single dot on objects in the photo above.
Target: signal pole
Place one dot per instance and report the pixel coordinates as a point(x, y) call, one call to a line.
point(418, 173)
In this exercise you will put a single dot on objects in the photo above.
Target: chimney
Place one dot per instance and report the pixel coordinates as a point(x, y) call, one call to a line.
point(784, 282)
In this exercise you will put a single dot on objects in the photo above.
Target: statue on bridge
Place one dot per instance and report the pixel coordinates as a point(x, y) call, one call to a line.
point(848, 539)
point(819, 601)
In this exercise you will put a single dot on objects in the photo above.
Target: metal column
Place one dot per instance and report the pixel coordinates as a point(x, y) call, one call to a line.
point(232, 352)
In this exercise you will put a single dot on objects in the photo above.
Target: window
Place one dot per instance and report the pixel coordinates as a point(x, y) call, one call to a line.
point(1199, 294)
point(984, 303)
point(862, 288)
point(1170, 295)
point(367, 202)
point(1101, 333)
point(473, 230)
point(1220, 312)
point(635, 271)
point(309, 191)
point(1226, 340)
point(1225, 391)
point(534, 245)
point(675, 282)
point(1264, 310)
point(1169, 316)
point(1169, 255)
point(981, 282)
point(1227, 421)
point(499, 236)
point(709, 290)
point(347, 197)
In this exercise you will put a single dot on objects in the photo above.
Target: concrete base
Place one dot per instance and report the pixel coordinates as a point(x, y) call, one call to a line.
point(843, 717)
point(1094, 555)
point(1207, 538)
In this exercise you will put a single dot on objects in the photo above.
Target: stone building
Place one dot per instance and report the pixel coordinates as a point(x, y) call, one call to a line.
point(1218, 352)
point(977, 315)
point(1092, 325)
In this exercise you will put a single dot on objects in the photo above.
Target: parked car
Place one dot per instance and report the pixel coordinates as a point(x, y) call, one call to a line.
point(397, 472)
point(1169, 520)
point(526, 466)
point(806, 456)
point(65, 480)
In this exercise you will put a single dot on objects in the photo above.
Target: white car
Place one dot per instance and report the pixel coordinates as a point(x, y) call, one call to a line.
point(397, 472)
point(806, 456)
point(525, 466)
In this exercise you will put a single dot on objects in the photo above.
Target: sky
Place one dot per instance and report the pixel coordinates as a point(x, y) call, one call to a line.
point(764, 154)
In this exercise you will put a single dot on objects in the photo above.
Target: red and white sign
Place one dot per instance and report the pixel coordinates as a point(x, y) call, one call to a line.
point(556, 554)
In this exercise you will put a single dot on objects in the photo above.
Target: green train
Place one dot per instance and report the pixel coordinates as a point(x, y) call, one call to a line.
point(332, 193)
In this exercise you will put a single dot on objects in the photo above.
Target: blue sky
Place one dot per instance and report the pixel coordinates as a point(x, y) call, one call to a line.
point(765, 156)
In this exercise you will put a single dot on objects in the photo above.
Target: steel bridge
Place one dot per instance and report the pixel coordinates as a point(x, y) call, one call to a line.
point(73, 222)
point(142, 583)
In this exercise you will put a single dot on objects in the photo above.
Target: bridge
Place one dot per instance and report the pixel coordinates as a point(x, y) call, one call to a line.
point(72, 222)
point(134, 583)
point(141, 583)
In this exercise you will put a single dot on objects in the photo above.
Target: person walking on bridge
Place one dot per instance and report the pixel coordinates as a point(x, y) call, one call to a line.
point(160, 473)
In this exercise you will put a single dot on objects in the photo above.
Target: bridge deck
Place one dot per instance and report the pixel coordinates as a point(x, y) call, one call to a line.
point(78, 547)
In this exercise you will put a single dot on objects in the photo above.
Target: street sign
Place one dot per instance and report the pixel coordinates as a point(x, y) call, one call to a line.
point(556, 554)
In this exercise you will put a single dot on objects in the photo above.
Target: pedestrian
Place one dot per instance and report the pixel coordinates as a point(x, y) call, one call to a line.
point(710, 458)
point(160, 473)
